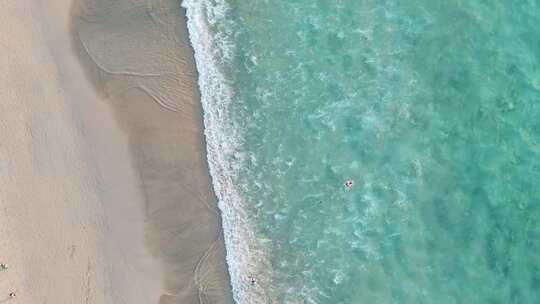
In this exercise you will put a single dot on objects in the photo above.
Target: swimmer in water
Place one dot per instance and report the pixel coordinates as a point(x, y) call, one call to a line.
point(252, 280)
point(348, 184)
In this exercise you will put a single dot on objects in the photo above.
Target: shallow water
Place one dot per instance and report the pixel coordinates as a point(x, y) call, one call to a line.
point(432, 108)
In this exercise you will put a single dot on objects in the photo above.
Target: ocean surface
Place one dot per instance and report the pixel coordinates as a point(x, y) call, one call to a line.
point(431, 108)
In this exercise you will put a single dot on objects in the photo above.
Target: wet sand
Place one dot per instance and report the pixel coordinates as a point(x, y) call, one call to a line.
point(105, 195)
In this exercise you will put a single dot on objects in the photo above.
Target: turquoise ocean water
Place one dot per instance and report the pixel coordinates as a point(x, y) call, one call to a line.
point(432, 108)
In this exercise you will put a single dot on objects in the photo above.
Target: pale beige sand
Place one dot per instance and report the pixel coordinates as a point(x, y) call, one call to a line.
point(104, 190)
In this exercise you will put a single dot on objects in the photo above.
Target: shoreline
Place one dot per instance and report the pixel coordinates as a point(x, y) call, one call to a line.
point(105, 195)
point(163, 80)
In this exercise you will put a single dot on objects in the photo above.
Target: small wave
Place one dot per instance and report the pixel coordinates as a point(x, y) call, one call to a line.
point(209, 34)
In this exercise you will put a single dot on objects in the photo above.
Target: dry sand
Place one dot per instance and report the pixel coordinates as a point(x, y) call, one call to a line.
point(104, 189)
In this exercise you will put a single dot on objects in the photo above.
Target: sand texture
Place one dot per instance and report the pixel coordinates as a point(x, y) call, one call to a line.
point(104, 189)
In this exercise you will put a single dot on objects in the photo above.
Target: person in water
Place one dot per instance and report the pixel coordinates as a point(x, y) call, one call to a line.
point(348, 184)
point(252, 280)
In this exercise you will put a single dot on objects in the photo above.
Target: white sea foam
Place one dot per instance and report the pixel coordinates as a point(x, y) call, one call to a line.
point(210, 36)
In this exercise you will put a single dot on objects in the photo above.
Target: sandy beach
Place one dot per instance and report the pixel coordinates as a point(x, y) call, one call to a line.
point(105, 195)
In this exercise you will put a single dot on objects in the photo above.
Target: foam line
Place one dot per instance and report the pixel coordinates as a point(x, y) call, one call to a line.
point(209, 35)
